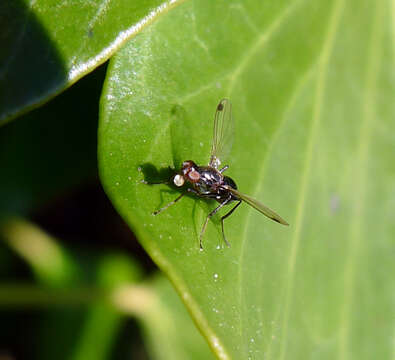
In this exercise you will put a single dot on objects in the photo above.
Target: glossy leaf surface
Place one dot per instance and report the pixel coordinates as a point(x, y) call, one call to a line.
point(312, 87)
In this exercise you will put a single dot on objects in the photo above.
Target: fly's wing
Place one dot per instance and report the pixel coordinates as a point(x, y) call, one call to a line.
point(223, 133)
point(258, 206)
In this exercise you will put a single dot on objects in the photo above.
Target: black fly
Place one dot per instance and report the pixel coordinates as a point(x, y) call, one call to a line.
point(209, 181)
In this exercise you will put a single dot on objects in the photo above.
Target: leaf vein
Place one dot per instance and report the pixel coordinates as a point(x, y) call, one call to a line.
point(320, 88)
point(356, 224)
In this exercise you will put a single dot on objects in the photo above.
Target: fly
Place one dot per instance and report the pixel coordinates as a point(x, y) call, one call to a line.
point(210, 182)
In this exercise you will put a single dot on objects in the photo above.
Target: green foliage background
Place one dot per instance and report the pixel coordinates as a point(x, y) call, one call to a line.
point(312, 87)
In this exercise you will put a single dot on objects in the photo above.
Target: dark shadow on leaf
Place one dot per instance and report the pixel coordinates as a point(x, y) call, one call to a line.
point(31, 68)
point(155, 175)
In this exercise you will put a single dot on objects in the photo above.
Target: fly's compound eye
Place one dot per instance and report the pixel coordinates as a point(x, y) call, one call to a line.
point(178, 180)
point(194, 176)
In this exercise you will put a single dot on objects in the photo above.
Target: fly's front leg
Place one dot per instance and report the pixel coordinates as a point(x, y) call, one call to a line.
point(222, 222)
point(209, 216)
point(167, 182)
point(174, 201)
point(168, 205)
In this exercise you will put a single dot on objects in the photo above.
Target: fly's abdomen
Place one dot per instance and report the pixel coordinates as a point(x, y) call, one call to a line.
point(228, 181)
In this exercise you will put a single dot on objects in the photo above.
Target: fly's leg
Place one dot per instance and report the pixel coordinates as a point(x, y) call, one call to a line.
point(193, 191)
point(167, 182)
point(226, 167)
point(168, 205)
point(209, 216)
point(201, 195)
point(222, 222)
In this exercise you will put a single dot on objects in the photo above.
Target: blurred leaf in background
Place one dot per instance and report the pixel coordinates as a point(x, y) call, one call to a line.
point(312, 87)
point(46, 46)
point(51, 149)
point(83, 317)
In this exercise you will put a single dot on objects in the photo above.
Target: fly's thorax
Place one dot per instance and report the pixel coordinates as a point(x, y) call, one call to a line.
point(209, 181)
point(210, 175)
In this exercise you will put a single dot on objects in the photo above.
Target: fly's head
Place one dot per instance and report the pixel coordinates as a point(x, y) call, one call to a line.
point(188, 172)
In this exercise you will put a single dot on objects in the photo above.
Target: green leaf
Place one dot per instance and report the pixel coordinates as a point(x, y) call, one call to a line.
point(163, 323)
point(312, 87)
point(47, 46)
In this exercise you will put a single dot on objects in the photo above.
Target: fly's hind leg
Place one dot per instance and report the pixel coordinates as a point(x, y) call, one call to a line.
point(222, 222)
point(209, 216)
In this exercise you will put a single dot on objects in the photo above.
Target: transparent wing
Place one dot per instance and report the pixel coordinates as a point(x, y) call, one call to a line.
point(258, 206)
point(223, 133)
